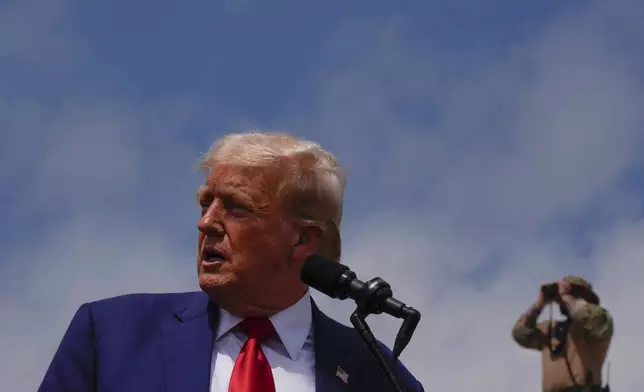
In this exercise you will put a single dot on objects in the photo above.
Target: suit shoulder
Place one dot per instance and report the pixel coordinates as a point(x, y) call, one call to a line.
point(140, 306)
point(401, 368)
point(351, 337)
point(143, 299)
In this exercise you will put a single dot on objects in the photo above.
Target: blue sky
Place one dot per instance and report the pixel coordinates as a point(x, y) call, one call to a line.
point(490, 147)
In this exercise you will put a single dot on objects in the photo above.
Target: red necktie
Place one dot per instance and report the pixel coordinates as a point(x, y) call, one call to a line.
point(252, 372)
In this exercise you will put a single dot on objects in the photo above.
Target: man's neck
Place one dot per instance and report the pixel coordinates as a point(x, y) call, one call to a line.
point(266, 309)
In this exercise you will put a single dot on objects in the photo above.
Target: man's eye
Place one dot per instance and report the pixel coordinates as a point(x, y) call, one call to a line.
point(238, 207)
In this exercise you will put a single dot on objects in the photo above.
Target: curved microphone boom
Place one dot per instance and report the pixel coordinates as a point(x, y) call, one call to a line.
point(372, 297)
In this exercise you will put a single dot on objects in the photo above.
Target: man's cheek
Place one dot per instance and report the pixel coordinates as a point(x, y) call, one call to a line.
point(253, 241)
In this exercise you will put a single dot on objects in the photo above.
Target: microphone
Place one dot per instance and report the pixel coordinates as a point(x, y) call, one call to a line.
point(373, 297)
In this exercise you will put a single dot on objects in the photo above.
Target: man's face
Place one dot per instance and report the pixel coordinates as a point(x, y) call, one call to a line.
point(245, 241)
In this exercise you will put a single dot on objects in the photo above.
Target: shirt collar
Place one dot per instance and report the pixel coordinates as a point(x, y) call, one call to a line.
point(293, 324)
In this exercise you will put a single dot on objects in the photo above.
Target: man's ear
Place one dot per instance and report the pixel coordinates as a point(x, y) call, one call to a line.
point(308, 242)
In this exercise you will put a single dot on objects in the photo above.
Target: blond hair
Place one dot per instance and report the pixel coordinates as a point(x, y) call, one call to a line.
point(313, 183)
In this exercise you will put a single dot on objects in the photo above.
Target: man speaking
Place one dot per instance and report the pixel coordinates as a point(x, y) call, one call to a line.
point(269, 202)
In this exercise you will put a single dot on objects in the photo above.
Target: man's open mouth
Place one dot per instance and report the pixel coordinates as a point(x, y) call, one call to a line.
point(211, 255)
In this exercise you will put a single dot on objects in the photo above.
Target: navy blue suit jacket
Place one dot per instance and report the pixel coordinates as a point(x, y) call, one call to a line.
point(164, 342)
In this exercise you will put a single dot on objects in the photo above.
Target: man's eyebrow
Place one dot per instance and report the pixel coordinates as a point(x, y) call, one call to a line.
point(205, 192)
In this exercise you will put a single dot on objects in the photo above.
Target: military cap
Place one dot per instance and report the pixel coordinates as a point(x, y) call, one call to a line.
point(587, 292)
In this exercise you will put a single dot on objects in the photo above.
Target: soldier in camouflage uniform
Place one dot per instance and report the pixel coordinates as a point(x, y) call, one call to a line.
point(573, 350)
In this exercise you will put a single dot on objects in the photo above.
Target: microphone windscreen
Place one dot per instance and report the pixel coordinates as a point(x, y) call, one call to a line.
point(322, 274)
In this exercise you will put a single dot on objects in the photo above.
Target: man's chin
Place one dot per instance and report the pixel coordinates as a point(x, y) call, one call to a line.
point(212, 283)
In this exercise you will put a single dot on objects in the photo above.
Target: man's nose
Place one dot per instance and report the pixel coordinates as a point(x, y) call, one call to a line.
point(211, 222)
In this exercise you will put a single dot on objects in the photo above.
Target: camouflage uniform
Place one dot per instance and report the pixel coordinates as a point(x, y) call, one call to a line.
point(573, 351)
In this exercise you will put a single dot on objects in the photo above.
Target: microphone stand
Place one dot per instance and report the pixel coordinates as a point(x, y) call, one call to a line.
point(372, 295)
point(360, 324)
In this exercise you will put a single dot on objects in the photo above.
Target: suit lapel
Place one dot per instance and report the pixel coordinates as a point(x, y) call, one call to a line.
point(334, 370)
point(188, 343)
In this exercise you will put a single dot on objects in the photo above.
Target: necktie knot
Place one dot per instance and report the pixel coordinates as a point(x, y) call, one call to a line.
point(258, 328)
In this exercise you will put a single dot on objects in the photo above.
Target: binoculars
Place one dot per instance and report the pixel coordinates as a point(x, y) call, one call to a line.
point(550, 291)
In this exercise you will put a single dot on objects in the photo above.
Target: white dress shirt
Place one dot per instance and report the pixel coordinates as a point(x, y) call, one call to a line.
point(290, 355)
